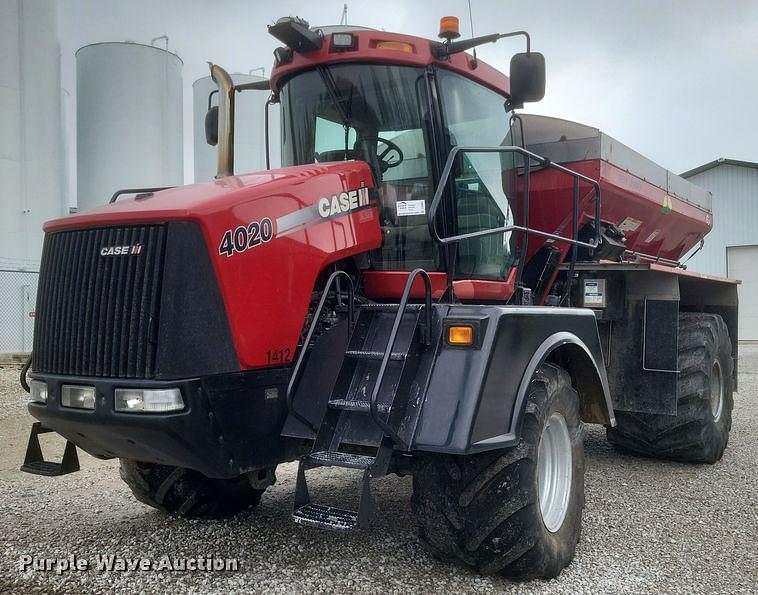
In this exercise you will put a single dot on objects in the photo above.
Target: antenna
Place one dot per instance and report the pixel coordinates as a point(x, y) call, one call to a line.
point(343, 18)
point(474, 63)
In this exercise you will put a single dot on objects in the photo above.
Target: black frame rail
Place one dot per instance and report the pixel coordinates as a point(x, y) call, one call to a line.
point(528, 158)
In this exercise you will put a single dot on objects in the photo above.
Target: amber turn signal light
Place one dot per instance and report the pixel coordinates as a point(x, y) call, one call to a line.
point(460, 335)
point(395, 46)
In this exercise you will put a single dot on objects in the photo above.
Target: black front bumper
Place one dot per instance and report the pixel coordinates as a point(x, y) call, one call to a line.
point(230, 425)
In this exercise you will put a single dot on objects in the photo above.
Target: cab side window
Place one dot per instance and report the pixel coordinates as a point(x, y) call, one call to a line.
point(483, 182)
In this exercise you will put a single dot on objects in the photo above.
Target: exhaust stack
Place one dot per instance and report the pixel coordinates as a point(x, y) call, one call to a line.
point(225, 85)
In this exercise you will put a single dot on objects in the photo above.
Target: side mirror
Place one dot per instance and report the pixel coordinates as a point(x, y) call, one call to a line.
point(527, 78)
point(211, 126)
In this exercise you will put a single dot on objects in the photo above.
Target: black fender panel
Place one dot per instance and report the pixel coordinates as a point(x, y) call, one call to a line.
point(475, 397)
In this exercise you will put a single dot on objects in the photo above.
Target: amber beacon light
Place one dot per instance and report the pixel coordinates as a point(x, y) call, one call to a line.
point(449, 28)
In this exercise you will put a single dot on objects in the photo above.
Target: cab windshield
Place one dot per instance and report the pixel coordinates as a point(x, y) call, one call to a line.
point(380, 114)
point(374, 113)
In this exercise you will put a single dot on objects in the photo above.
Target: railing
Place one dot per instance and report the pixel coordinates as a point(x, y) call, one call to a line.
point(528, 158)
point(145, 191)
point(295, 378)
point(427, 338)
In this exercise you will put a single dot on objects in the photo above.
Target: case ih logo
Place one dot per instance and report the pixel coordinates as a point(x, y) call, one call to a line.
point(342, 203)
point(121, 250)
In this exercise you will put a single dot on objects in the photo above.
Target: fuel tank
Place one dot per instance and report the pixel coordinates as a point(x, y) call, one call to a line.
point(661, 214)
point(269, 235)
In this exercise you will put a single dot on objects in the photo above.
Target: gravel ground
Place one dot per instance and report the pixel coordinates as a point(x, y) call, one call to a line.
point(649, 526)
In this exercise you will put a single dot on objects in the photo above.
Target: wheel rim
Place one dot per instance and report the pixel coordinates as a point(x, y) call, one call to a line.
point(554, 472)
point(717, 391)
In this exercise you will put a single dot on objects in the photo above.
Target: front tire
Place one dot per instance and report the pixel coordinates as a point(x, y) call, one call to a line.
point(699, 431)
point(518, 511)
point(188, 493)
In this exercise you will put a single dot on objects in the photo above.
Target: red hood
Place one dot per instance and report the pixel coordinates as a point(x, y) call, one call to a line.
point(196, 201)
point(270, 235)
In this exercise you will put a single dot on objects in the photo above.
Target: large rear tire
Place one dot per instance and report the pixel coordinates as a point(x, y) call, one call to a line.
point(188, 493)
point(699, 431)
point(517, 512)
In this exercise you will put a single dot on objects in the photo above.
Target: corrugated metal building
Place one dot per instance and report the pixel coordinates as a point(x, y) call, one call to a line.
point(731, 249)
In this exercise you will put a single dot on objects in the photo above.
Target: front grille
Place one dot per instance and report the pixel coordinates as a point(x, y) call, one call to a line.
point(97, 314)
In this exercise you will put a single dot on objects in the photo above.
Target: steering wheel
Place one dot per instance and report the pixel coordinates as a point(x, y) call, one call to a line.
point(385, 164)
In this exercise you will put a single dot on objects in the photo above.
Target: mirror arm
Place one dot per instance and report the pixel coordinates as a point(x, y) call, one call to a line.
point(210, 96)
point(443, 50)
point(264, 85)
point(269, 101)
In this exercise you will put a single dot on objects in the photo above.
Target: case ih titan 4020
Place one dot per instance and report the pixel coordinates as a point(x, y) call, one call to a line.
point(430, 285)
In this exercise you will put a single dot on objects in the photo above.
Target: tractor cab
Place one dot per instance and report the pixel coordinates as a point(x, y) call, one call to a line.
point(402, 120)
point(401, 104)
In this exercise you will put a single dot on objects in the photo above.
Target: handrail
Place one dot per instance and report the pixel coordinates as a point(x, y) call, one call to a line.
point(118, 193)
point(295, 378)
point(24, 372)
point(528, 157)
point(388, 430)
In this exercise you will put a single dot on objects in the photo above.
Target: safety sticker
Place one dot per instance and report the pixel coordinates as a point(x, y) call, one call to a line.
point(594, 293)
point(652, 236)
point(410, 207)
point(630, 224)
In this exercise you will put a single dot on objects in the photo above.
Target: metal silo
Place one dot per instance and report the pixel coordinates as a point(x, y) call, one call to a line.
point(249, 113)
point(30, 129)
point(129, 119)
point(31, 164)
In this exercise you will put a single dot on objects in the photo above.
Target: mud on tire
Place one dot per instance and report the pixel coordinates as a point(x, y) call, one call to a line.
point(188, 493)
point(699, 431)
point(484, 509)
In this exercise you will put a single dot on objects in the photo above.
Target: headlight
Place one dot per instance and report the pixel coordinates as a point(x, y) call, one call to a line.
point(79, 397)
point(38, 391)
point(138, 400)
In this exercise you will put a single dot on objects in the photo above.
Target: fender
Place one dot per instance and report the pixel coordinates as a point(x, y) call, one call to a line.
point(475, 398)
point(591, 384)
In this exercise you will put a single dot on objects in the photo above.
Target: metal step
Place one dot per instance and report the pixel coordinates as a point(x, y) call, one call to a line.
point(331, 458)
point(377, 355)
point(36, 464)
point(326, 517)
point(46, 468)
point(391, 307)
point(359, 406)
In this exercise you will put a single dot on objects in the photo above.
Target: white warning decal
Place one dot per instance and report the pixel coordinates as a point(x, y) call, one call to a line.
point(630, 224)
point(410, 207)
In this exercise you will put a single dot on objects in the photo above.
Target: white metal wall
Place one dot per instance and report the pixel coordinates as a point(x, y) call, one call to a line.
point(129, 120)
point(735, 214)
point(249, 139)
point(742, 263)
point(30, 129)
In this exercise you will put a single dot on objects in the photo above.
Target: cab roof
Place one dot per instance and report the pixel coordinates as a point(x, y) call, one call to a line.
point(381, 47)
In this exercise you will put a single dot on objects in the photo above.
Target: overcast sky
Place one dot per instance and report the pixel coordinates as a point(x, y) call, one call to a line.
point(677, 81)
